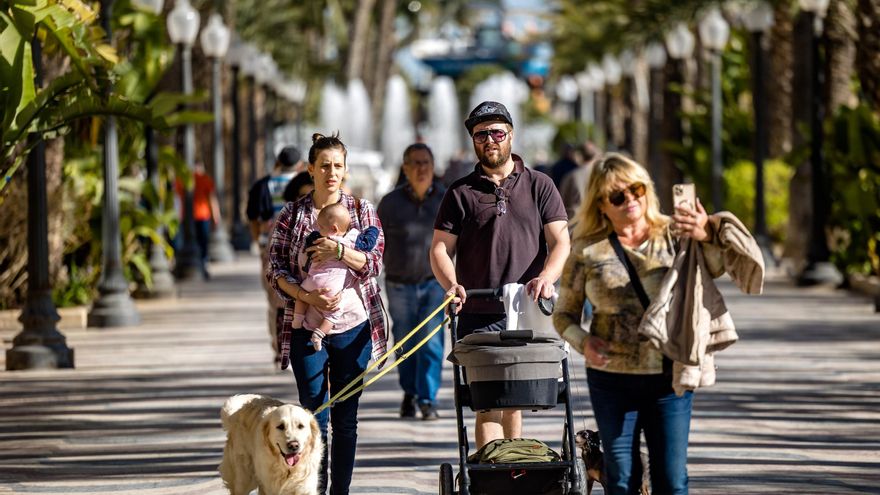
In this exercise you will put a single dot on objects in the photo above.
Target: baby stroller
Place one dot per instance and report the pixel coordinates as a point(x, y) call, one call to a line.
point(523, 369)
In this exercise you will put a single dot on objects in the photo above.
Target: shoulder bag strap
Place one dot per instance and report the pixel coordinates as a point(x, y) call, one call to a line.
point(631, 269)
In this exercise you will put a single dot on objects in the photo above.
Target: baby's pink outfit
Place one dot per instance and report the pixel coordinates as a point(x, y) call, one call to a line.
point(336, 276)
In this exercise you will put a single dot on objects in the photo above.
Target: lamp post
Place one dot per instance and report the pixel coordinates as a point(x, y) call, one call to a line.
point(183, 26)
point(163, 282)
point(249, 68)
point(215, 44)
point(819, 269)
point(597, 77)
point(758, 18)
point(655, 55)
point(241, 239)
point(295, 91)
point(567, 92)
point(612, 71)
point(39, 345)
point(714, 32)
point(265, 77)
point(627, 60)
point(679, 46)
point(114, 307)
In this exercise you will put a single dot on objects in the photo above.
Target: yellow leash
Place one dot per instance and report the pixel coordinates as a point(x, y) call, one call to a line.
point(376, 363)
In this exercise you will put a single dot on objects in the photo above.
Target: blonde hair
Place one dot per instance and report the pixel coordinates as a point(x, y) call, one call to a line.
point(610, 169)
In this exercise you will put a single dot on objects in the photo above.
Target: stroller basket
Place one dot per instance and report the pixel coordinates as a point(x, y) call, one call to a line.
point(505, 373)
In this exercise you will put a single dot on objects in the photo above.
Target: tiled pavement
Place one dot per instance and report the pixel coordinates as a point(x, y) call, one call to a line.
point(796, 409)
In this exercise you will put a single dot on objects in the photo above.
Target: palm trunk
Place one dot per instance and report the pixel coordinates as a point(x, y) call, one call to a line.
point(840, 26)
point(867, 59)
point(779, 86)
point(357, 49)
point(383, 59)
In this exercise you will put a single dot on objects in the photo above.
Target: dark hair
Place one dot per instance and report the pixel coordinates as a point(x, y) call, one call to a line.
point(321, 142)
point(289, 156)
point(417, 147)
point(291, 191)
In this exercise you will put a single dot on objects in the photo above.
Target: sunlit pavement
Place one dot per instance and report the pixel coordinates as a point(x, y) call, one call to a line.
point(796, 408)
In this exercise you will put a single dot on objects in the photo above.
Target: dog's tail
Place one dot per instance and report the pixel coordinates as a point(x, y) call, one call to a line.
point(233, 405)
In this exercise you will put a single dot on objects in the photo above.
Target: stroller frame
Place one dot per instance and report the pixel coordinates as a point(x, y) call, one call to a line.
point(569, 472)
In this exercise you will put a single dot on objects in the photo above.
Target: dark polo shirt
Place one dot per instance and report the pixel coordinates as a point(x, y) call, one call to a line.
point(408, 226)
point(494, 249)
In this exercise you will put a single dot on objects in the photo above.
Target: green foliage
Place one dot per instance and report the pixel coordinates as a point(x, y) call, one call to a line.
point(740, 200)
point(585, 30)
point(79, 289)
point(852, 151)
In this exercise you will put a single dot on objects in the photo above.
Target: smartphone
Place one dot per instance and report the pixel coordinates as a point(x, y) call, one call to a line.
point(684, 195)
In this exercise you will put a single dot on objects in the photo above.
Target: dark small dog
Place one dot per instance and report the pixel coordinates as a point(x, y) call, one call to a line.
point(591, 452)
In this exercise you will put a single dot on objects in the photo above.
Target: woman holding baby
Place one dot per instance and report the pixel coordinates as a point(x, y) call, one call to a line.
point(349, 323)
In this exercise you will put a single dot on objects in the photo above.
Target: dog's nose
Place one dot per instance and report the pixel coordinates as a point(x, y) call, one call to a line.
point(293, 447)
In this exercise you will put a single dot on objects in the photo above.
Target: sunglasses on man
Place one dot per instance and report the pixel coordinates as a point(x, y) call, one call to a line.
point(498, 135)
point(617, 198)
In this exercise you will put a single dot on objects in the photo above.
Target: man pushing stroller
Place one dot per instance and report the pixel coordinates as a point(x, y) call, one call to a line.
point(503, 223)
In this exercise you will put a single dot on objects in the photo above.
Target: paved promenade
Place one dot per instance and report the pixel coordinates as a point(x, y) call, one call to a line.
point(796, 408)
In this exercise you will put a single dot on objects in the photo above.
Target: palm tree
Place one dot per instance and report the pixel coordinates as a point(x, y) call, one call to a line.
point(867, 61)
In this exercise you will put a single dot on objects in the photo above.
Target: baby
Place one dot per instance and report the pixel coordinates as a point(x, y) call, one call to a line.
point(334, 222)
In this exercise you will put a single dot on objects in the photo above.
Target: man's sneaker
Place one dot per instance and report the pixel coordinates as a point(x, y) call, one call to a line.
point(429, 412)
point(408, 406)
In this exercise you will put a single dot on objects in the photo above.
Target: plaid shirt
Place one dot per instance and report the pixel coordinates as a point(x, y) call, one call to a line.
point(287, 241)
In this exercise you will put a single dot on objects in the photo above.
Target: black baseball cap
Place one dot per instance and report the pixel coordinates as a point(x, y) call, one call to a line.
point(289, 156)
point(487, 111)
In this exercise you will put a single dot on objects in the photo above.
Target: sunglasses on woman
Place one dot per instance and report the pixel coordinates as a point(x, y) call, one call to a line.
point(618, 197)
point(498, 135)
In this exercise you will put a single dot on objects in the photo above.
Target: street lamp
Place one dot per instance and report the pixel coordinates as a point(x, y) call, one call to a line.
point(758, 18)
point(679, 46)
point(612, 71)
point(39, 345)
point(655, 56)
point(114, 307)
point(295, 91)
point(241, 239)
point(567, 92)
point(267, 72)
point(818, 270)
point(215, 44)
point(628, 61)
point(597, 76)
point(249, 68)
point(714, 32)
point(183, 26)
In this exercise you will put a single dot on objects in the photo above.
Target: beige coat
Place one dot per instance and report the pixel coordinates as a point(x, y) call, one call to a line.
point(688, 320)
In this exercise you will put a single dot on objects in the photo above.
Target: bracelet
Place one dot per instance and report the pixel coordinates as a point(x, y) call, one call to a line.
point(338, 250)
point(343, 252)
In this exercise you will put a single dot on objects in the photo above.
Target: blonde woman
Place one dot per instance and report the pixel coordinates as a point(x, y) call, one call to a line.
point(629, 389)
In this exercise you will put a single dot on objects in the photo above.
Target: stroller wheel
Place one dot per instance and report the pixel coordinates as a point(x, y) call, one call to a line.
point(447, 481)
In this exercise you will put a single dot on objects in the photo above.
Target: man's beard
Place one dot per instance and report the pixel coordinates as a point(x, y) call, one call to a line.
point(503, 156)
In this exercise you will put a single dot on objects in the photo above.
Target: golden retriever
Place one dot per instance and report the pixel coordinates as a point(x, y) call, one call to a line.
point(270, 445)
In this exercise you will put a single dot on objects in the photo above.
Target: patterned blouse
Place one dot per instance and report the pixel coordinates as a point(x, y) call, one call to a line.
point(288, 239)
point(594, 273)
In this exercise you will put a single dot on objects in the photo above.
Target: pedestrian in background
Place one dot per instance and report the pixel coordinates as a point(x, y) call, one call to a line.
point(574, 184)
point(503, 223)
point(265, 200)
point(206, 211)
point(346, 350)
point(407, 214)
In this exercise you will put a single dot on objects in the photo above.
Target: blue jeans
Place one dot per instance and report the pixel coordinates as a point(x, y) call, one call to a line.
point(624, 405)
point(343, 357)
point(409, 304)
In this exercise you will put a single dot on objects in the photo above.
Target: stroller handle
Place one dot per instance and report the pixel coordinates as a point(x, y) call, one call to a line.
point(545, 305)
point(484, 293)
